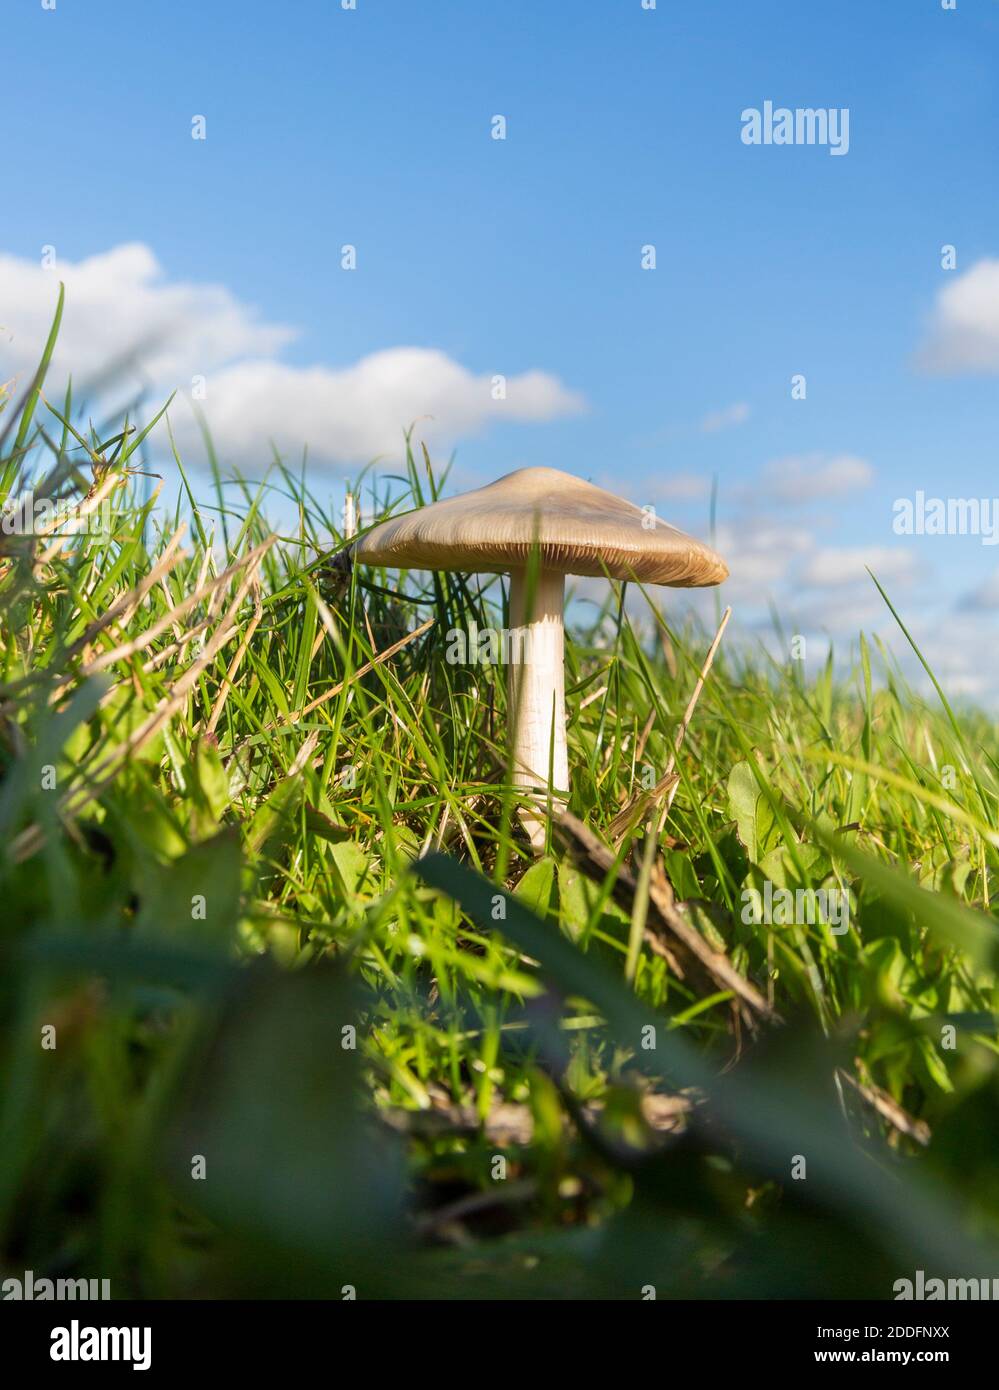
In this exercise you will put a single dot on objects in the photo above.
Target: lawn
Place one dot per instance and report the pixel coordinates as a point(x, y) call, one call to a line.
point(289, 1004)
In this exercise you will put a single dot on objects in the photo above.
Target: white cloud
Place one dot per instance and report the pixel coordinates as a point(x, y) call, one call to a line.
point(124, 319)
point(831, 567)
point(827, 594)
point(824, 611)
point(359, 412)
point(736, 414)
point(120, 307)
point(760, 554)
point(952, 645)
point(964, 331)
point(809, 476)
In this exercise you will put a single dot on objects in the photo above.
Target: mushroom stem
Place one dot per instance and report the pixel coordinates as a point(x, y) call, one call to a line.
point(536, 691)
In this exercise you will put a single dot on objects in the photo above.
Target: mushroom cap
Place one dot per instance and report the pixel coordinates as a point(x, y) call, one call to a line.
point(578, 528)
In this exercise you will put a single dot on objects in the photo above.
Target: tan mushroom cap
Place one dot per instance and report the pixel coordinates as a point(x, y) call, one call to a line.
point(579, 529)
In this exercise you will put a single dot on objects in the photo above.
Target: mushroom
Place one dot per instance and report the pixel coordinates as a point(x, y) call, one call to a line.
point(573, 527)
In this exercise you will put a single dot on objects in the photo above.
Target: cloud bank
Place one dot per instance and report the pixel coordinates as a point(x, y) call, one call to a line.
point(125, 321)
point(812, 476)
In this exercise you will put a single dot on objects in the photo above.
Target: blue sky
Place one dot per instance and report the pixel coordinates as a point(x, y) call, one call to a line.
point(372, 127)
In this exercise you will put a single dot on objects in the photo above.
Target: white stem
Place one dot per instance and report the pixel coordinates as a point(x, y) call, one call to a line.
point(536, 693)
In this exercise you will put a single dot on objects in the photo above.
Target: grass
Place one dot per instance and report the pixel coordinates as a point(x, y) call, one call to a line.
point(287, 1004)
